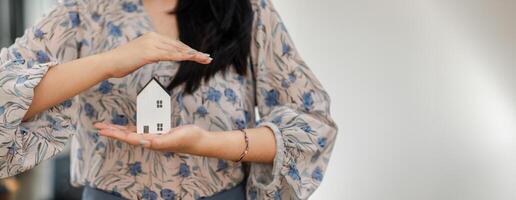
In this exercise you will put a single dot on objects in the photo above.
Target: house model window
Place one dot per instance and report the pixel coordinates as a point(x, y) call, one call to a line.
point(153, 110)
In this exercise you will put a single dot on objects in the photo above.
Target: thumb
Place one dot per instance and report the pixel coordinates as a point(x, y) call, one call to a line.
point(145, 143)
point(157, 143)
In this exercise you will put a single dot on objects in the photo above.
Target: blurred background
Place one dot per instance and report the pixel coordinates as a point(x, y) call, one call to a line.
point(423, 91)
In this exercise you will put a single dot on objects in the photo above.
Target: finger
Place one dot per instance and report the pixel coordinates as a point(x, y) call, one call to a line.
point(187, 49)
point(137, 139)
point(164, 142)
point(181, 46)
point(131, 128)
point(127, 137)
point(109, 126)
point(171, 44)
point(114, 134)
point(146, 140)
point(115, 126)
point(192, 56)
point(199, 57)
point(184, 46)
point(185, 56)
point(174, 53)
point(174, 43)
point(170, 47)
point(158, 144)
point(167, 141)
point(100, 125)
point(145, 143)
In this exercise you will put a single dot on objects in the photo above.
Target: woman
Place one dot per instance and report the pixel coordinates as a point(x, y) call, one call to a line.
point(76, 74)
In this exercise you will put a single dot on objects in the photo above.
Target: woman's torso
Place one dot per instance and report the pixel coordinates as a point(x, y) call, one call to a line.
point(224, 103)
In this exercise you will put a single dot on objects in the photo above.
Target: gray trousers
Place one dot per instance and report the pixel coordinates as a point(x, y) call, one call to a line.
point(234, 193)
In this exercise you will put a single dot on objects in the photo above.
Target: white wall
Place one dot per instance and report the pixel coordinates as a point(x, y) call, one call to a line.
point(34, 9)
point(424, 93)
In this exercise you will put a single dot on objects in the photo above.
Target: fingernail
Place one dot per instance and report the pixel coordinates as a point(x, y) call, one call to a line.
point(144, 143)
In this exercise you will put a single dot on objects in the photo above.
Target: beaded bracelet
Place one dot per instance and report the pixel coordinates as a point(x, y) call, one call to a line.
point(246, 146)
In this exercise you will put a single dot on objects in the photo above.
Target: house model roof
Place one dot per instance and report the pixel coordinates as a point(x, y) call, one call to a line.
point(154, 79)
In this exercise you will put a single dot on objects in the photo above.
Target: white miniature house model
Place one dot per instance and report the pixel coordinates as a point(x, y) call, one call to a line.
point(153, 111)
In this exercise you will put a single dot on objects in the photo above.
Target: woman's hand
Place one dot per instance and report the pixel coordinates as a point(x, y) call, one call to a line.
point(149, 48)
point(183, 139)
point(191, 139)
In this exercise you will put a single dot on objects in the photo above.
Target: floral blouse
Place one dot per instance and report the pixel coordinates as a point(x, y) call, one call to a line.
point(282, 90)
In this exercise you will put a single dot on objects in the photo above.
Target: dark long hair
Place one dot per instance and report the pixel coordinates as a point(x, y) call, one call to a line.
point(221, 28)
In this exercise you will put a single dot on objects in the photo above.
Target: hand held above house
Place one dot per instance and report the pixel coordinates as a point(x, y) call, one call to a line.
point(150, 48)
point(83, 73)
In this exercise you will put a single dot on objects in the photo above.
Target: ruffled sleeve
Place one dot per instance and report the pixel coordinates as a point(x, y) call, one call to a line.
point(292, 103)
point(53, 40)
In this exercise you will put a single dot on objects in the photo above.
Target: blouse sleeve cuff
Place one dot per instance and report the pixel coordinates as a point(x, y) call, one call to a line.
point(269, 176)
point(17, 88)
